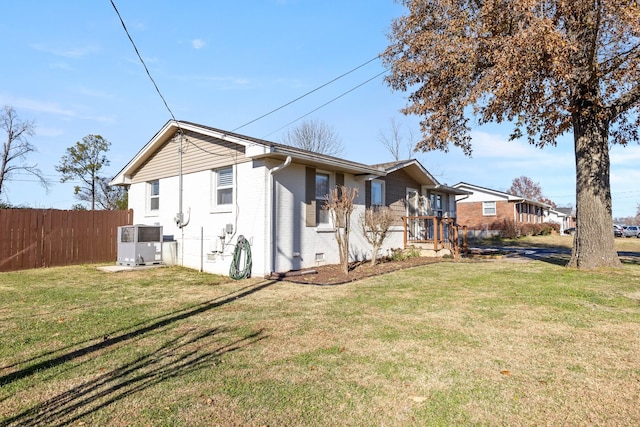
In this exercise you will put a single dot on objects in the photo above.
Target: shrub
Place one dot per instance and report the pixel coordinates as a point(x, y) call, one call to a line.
point(529, 229)
point(509, 229)
point(549, 228)
point(404, 254)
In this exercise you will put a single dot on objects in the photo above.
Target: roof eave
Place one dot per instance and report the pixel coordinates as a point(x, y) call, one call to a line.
point(314, 159)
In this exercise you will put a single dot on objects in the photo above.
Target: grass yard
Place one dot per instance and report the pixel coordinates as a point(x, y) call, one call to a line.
point(451, 343)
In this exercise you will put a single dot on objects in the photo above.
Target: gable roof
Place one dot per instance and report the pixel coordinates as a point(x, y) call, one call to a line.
point(557, 212)
point(419, 174)
point(508, 196)
point(567, 211)
point(254, 148)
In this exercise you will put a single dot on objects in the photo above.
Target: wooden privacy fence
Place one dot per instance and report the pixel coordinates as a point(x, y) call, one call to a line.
point(34, 238)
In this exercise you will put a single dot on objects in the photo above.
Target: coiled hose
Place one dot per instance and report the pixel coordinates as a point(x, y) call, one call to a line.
point(235, 271)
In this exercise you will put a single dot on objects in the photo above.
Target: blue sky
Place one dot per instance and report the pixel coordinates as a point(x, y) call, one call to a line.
point(69, 66)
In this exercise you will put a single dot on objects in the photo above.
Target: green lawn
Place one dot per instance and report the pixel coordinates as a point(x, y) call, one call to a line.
point(454, 343)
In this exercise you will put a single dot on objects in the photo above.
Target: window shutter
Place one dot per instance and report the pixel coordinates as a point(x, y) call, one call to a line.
point(310, 197)
point(339, 183)
point(367, 194)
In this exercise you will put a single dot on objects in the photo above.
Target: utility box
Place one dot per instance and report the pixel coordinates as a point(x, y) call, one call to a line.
point(139, 245)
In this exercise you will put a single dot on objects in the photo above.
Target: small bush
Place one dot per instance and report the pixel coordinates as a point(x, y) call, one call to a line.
point(404, 254)
point(529, 229)
point(543, 229)
point(549, 228)
point(509, 229)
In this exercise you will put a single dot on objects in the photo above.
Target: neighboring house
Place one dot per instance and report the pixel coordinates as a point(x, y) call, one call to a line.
point(485, 209)
point(224, 185)
point(569, 218)
point(557, 216)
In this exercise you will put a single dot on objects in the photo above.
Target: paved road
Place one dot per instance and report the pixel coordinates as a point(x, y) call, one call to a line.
point(554, 255)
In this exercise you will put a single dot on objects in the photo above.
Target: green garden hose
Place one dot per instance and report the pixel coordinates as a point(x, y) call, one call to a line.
point(235, 272)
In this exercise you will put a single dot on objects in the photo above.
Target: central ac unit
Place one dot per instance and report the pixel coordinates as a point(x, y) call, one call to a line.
point(139, 245)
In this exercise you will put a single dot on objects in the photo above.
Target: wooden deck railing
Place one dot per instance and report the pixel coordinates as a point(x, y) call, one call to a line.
point(440, 232)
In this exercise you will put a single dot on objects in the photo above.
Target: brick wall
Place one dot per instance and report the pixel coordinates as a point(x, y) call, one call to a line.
point(470, 214)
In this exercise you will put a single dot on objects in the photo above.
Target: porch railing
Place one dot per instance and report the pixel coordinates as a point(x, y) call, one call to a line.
point(440, 232)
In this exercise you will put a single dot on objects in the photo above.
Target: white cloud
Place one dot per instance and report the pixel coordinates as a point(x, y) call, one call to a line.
point(629, 155)
point(94, 93)
point(36, 105)
point(67, 52)
point(61, 66)
point(49, 132)
point(198, 43)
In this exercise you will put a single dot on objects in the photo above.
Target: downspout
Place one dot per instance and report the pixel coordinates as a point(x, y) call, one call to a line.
point(273, 210)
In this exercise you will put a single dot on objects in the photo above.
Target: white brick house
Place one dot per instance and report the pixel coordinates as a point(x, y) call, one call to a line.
point(223, 185)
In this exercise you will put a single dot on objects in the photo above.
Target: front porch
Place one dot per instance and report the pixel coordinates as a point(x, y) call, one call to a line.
point(434, 236)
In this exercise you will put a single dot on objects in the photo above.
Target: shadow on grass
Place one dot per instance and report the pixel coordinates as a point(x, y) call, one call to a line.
point(552, 254)
point(176, 357)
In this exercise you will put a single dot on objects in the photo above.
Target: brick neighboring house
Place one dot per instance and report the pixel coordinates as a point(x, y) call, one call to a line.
point(485, 209)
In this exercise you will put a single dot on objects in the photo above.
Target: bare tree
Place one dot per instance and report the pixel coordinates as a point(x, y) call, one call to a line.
point(316, 136)
point(393, 140)
point(375, 224)
point(111, 197)
point(526, 187)
point(84, 161)
point(548, 67)
point(339, 203)
point(16, 148)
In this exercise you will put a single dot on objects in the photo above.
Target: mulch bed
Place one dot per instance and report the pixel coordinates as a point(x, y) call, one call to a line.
point(332, 274)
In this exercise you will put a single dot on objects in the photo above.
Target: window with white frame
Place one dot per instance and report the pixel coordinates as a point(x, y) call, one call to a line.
point(153, 189)
point(377, 193)
point(322, 189)
point(223, 187)
point(489, 208)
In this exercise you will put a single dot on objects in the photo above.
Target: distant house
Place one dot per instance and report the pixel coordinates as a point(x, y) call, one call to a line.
point(486, 210)
point(569, 219)
point(224, 185)
point(560, 217)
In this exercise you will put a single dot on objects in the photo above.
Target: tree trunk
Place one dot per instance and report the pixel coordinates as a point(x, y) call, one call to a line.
point(594, 242)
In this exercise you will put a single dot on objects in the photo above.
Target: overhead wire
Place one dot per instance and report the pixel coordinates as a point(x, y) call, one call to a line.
point(306, 94)
point(143, 63)
point(155, 85)
point(327, 103)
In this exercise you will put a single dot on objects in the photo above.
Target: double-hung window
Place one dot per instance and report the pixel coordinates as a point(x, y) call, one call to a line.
point(322, 190)
point(489, 208)
point(223, 187)
point(153, 189)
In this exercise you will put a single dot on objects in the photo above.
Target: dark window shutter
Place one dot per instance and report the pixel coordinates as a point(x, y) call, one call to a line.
point(339, 183)
point(367, 194)
point(310, 197)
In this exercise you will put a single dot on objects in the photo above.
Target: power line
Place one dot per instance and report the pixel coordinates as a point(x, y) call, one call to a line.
point(306, 94)
point(143, 64)
point(327, 103)
point(262, 116)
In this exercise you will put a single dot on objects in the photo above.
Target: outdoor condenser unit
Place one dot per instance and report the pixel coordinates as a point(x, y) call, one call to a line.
point(139, 245)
